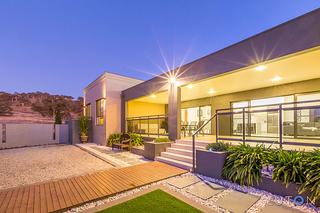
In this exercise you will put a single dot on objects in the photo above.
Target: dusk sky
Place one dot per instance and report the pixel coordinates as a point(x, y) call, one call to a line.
point(60, 46)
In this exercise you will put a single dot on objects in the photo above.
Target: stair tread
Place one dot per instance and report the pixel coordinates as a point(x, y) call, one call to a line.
point(178, 155)
point(173, 160)
point(177, 149)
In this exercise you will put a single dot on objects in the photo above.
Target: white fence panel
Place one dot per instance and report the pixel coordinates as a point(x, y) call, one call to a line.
point(21, 135)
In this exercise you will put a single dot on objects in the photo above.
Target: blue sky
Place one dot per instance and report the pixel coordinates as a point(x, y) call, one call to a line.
point(60, 46)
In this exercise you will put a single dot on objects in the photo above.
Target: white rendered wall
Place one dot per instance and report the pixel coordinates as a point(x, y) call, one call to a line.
point(21, 135)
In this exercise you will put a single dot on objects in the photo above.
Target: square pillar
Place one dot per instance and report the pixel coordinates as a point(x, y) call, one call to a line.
point(174, 111)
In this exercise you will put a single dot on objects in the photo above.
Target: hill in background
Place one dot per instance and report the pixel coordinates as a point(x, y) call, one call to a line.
point(38, 107)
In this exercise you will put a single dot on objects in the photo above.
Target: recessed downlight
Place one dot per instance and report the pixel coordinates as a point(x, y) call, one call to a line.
point(260, 68)
point(276, 78)
point(190, 86)
point(153, 96)
point(211, 91)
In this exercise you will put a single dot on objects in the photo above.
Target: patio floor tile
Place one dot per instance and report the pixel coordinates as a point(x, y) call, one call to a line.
point(182, 182)
point(205, 190)
point(276, 208)
point(237, 202)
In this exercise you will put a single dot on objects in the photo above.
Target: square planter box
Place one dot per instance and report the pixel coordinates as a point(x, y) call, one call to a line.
point(152, 149)
point(210, 163)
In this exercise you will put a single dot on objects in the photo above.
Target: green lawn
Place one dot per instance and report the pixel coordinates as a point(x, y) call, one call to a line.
point(155, 201)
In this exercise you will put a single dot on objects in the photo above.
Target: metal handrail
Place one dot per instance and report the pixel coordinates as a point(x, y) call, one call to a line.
point(194, 138)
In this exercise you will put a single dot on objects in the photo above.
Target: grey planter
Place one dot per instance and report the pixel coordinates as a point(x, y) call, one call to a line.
point(152, 149)
point(137, 150)
point(210, 163)
point(279, 188)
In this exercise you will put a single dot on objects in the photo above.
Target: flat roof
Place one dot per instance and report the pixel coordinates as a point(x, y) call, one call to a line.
point(293, 36)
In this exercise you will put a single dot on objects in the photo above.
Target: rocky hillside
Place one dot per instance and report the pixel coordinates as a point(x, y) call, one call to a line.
point(38, 107)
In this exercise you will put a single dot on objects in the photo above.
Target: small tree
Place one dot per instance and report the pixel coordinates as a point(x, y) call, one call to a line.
point(58, 117)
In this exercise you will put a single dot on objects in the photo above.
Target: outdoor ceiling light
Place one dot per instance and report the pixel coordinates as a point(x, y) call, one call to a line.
point(172, 80)
point(211, 91)
point(276, 78)
point(260, 68)
point(153, 96)
point(190, 86)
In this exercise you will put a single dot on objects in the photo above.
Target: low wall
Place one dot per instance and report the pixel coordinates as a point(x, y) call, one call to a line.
point(20, 135)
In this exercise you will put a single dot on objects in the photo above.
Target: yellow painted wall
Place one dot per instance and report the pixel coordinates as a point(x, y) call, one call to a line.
point(137, 108)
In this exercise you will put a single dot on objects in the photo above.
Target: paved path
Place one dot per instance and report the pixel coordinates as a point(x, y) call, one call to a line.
point(224, 198)
point(66, 193)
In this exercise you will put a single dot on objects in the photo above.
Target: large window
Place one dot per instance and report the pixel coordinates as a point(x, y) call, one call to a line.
point(100, 110)
point(87, 110)
point(261, 123)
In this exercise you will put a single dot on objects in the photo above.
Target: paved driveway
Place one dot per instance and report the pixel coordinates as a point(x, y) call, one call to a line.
point(23, 166)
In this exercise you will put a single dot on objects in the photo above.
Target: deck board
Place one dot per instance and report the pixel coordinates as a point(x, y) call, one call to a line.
point(63, 194)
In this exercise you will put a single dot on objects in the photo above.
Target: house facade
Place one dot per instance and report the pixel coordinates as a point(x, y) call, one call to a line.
point(102, 103)
point(264, 89)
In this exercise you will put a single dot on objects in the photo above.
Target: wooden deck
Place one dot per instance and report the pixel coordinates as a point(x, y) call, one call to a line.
point(63, 194)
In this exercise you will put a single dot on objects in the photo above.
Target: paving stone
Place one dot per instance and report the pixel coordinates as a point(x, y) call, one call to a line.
point(205, 190)
point(273, 207)
point(182, 182)
point(237, 202)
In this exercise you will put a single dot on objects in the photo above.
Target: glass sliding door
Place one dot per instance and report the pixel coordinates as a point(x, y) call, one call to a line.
point(192, 118)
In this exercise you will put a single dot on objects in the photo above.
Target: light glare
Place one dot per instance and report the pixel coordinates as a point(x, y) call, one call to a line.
point(260, 68)
point(276, 78)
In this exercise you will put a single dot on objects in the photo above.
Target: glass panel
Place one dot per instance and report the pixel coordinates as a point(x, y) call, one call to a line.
point(100, 111)
point(205, 115)
point(308, 120)
point(237, 117)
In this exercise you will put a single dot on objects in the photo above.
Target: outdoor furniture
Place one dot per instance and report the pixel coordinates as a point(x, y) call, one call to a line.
point(123, 143)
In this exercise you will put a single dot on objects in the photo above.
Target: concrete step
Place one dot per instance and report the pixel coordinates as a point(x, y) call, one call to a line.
point(198, 142)
point(184, 152)
point(180, 164)
point(178, 157)
point(185, 146)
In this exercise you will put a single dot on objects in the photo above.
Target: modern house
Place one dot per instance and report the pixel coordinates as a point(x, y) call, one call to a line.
point(264, 89)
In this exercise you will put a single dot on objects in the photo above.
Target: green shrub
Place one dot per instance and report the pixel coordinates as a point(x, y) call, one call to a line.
point(113, 138)
point(288, 166)
point(312, 176)
point(136, 140)
point(161, 140)
point(244, 164)
point(219, 146)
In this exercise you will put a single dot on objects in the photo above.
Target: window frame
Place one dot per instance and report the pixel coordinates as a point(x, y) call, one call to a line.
point(100, 112)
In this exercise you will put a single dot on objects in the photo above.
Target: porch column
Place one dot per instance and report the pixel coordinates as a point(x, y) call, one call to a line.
point(174, 112)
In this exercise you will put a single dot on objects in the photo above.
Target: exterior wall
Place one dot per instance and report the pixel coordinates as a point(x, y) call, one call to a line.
point(224, 101)
point(21, 135)
point(109, 87)
point(137, 108)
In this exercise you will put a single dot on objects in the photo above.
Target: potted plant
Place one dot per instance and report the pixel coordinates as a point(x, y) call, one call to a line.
point(84, 127)
point(153, 148)
point(210, 162)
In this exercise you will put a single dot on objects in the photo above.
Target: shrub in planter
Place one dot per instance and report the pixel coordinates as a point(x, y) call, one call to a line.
point(84, 128)
point(312, 176)
point(136, 139)
point(161, 140)
point(113, 138)
point(218, 147)
point(243, 165)
point(288, 166)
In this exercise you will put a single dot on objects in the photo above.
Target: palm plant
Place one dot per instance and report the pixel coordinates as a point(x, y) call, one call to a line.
point(288, 166)
point(244, 164)
point(312, 175)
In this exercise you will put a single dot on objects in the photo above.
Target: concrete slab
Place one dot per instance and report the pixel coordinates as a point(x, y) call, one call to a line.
point(182, 182)
point(205, 190)
point(276, 208)
point(237, 202)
